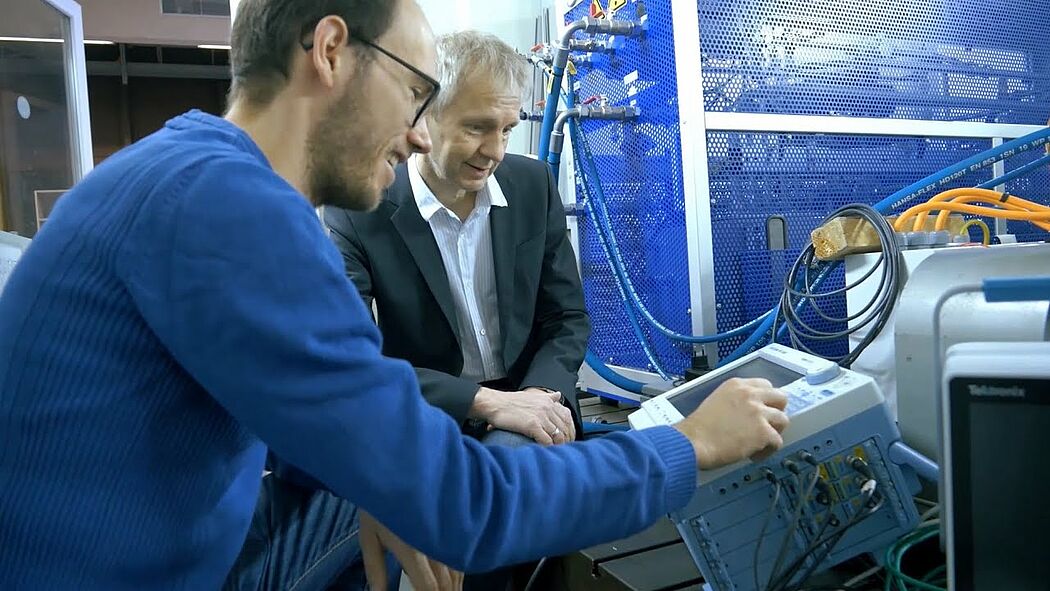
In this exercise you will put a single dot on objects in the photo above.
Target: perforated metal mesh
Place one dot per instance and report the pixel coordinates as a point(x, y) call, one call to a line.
point(802, 177)
point(905, 59)
point(1034, 186)
point(909, 59)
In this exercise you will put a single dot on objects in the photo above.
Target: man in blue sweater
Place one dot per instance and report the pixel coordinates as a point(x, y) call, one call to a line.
point(182, 310)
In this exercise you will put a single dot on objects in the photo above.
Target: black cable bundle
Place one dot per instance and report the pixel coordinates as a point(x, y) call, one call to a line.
point(800, 283)
point(823, 545)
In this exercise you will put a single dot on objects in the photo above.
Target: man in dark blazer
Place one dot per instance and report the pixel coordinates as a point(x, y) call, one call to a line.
point(468, 262)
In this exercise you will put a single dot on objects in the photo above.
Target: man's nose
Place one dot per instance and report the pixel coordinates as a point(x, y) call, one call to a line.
point(419, 137)
point(494, 149)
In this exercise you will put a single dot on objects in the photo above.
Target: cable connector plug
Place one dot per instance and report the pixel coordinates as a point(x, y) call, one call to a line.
point(534, 116)
point(874, 496)
point(610, 113)
point(861, 466)
point(591, 46)
point(824, 491)
point(612, 27)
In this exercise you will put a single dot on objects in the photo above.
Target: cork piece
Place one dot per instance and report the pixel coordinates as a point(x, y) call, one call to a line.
point(852, 235)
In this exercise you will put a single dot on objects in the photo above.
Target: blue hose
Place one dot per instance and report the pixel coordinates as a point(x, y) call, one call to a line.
point(550, 109)
point(607, 374)
point(1016, 173)
point(640, 335)
point(636, 327)
point(935, 181)
point(927, 185)
point(560, 61)
point(554, 160)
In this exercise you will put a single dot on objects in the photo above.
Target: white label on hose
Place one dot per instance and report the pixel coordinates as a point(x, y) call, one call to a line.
point(631, 91)
point(630, 77)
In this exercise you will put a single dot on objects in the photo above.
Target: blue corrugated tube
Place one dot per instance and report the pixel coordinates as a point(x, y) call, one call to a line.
point(931, 184)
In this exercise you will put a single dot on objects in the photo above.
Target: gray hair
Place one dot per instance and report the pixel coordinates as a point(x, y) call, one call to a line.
point(464, 54)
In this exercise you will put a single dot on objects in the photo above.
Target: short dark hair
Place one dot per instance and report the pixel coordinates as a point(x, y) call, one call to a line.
point(266, 33)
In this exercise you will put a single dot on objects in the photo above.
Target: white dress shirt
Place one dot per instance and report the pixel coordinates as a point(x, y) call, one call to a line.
point(466, 250)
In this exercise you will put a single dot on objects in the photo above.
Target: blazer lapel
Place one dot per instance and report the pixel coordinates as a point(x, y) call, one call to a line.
point(504, 249)
point(415, 232)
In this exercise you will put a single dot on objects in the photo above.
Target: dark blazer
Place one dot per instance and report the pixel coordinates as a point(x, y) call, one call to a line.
point(393, 259)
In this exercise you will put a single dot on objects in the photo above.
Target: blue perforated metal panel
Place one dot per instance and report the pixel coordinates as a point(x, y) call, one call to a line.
point(916, 59)
point(1034, 187)
point(908, 60)
point(640, 168)
point(905, 59)
point(802, 177)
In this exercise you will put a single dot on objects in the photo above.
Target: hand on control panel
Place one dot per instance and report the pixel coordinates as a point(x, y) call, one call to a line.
point(743, 418)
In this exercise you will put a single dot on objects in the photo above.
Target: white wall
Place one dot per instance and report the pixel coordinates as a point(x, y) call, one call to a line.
point(140, 21)
point(513, 21)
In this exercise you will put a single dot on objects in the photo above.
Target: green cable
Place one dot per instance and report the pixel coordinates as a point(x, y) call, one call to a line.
point(895, 553)
point(933, 573)
point(893, 557)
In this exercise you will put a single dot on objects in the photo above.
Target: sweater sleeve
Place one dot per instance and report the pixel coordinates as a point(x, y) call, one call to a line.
point(252, 302)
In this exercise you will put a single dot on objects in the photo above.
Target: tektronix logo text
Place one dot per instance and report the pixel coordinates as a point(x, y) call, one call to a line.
point(1013, 392)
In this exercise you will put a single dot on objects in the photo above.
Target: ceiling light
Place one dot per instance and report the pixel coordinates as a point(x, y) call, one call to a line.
point(224, 47)
point(46, 40)
point(31, 39)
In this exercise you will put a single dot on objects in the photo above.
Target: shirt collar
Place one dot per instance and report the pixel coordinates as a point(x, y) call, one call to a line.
point(428, 203)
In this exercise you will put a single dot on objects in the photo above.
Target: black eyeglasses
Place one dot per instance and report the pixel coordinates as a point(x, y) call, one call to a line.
point(435, 86)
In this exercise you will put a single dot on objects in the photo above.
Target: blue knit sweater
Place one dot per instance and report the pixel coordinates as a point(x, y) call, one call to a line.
point(181, 310)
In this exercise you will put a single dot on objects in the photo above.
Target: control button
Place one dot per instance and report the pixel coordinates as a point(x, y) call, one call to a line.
point(823, 374)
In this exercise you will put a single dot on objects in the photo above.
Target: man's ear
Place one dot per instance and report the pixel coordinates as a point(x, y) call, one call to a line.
point(327, 57)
